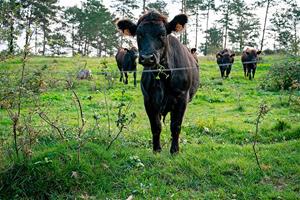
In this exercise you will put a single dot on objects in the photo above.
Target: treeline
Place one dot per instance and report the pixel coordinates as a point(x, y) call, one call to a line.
point(89, 28)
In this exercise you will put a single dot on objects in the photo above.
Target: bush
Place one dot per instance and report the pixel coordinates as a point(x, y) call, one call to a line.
point(282, 75)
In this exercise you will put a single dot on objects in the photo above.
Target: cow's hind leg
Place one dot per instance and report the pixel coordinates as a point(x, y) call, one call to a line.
point(154, 118)
point(134, 78)
point(177, 114)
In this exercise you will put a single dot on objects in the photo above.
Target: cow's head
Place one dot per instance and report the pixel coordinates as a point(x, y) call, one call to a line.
point(151, 31)
point(193, 50)
point(225, 56)
point(252, 54)
point(133, 53)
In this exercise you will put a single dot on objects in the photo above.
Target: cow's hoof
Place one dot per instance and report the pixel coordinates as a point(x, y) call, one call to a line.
point(174, 150)
point(157, 150)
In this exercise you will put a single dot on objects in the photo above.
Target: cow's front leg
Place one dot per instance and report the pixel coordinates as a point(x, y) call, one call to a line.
point(249, 73)
point(245, 69)
point(222, 70)
point(154, 118)
point(177, 114)
point(228, 70)
point(126, 78)
point(253, 71)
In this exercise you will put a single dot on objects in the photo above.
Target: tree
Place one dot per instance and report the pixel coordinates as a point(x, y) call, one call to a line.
point(10, 13)
point(213, 41)
point(44, 13)
point(56, 42)
point(123, 9)
point(91, 27)
point(197, 6)
point(226, 10)
point(160, 6)
point(71, 20)
point(285, 25)
point(268, 4)
point(245, 30)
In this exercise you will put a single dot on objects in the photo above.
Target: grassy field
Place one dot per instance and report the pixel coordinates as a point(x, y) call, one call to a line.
point(216, 160)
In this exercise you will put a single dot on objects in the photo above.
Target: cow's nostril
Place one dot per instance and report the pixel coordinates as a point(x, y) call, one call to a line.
point(147, 59)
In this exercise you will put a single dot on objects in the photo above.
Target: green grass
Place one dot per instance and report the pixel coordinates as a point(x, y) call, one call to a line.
point(215, 160)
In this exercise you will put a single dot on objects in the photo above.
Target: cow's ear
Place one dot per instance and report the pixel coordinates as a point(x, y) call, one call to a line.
point(219, 55)
point(127, 27)
point(177, 24)
point(232, 55)
point(259, 52)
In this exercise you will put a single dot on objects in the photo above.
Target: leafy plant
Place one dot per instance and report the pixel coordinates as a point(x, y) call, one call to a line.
point(283, 75)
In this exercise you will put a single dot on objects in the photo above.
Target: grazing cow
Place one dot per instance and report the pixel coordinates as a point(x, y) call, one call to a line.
point(84, 74)
point(169, 90)
point(249, 60)
point(126, 61)
point(194, 53)
point(225, 59)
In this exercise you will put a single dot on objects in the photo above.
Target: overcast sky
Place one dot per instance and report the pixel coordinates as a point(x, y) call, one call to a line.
point(174, 9)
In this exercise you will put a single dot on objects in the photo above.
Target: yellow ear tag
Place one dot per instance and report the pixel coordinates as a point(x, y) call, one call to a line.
point(127, 32)
point(178, 27)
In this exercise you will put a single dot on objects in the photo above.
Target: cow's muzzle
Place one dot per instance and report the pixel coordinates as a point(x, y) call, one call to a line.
point(149, 59)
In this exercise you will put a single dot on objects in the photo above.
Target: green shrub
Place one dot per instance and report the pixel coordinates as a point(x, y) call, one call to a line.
point(281, 125)
point(282, 75)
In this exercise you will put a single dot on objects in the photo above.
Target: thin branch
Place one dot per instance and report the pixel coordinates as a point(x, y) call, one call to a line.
point(52, 124)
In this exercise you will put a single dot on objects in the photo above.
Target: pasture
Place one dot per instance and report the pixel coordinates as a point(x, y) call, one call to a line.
point(216, 160)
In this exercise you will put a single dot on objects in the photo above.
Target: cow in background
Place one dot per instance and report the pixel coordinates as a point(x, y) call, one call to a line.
point(225, 59)
point(171, 90)
point(126, 61)
point(194, 53)
point(249, 60)
point(84, 74)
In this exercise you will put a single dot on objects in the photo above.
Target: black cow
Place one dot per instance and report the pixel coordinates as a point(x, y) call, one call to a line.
point(225, 59)
point(194, 53)
point(249, 60)
point(126, 61)
point(167, 91)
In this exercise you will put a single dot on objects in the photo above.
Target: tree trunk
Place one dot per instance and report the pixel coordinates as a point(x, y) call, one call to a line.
point(295, 38)
point(44, 39)
point(205, 53)
point(197, 24)
point(265, 23)
point(226, 26)
point(183, 35)
point(73, 52)
point(11, 37)
point(35, 40)
point(144, 6)
point(99, 48)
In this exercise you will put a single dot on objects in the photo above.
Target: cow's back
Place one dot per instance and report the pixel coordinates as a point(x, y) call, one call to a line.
point(120, 57)
point(178, 56)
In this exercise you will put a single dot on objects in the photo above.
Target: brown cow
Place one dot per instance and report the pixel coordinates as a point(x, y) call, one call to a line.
point(171, 90)
point(225, 59)
point(249, 60)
